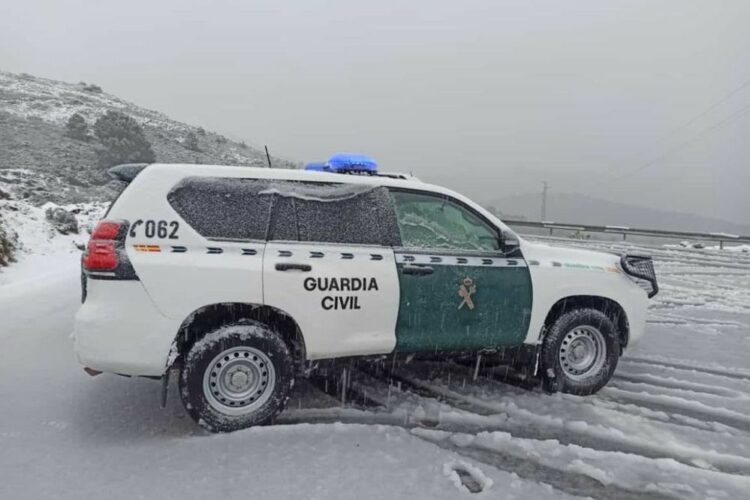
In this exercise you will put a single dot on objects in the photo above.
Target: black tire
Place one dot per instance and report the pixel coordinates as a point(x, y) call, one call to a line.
point(557, 373)
point(241, 343)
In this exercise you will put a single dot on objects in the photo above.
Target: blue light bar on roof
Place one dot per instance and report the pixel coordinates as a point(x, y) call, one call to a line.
point(347, 162)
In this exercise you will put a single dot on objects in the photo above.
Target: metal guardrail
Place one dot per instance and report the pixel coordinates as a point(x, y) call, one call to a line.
point(721, 238)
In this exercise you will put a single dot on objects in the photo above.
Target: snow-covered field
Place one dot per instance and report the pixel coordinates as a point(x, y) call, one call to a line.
point(673, 423)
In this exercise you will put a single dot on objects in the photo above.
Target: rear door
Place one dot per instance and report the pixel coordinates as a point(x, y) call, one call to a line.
point(201, 244)
point(458, 290)
point(329, 264)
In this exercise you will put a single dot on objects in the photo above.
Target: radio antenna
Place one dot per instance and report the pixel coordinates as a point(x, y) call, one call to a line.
point(268, 157)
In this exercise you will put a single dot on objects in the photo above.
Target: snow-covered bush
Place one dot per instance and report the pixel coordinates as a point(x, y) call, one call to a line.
point(7, 246)
point(191, 142)
point(77, 128)
point(122, 140)
point(93, 88)
point(62, 220)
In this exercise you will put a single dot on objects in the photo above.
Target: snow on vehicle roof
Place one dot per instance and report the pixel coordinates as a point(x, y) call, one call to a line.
point(164, 175)
point(380, 179)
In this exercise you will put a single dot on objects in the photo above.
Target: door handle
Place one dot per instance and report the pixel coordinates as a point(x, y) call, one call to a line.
point(417, 270)
point(283, 266)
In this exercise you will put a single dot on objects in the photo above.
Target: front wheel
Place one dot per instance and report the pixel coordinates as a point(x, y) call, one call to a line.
point(236, 376)
point(579, 352)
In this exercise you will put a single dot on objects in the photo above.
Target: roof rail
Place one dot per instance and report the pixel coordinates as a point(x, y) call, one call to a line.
point(127, 171)
point(395, 175)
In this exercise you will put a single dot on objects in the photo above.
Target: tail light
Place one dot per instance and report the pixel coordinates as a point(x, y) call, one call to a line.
point(100, 256)
point(105, 256)
point(107, 230)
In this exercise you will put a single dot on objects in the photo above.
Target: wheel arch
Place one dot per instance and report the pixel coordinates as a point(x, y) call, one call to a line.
point(608, 306)
point(209, 317)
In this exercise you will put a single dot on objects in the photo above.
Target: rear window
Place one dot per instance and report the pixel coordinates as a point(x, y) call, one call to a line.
point(223, 208)
point(258, 209)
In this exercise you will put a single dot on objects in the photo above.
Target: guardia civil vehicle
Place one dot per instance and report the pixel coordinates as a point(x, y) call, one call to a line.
point(242, 278)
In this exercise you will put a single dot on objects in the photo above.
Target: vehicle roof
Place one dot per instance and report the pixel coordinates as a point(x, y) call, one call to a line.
point(175, 171)
point(291, 174)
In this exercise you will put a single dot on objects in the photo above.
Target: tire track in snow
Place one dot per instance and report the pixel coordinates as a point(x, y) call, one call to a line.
point(734, 404)
point(568, 481)
point(674, 319)
point(574, 483)
point(573, 477)
point(529, 425)
point(684, 365)
point(618, 473)
point(673, 383)
point(687, 407)
point(687, 374)
point(661, 417)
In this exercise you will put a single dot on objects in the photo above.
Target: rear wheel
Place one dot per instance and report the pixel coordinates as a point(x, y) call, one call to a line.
point(236, 376)
point(579, 352)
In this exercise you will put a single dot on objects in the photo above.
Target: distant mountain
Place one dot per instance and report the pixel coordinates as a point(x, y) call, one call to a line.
point(39, 163)
point(583, 209)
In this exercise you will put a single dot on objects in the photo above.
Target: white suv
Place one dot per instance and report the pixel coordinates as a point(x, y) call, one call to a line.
point(241, 277)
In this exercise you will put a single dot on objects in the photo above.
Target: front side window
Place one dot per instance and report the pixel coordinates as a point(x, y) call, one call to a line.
point(436, 222)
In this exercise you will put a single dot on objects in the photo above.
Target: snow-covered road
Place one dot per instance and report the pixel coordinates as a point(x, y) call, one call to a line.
point(673, 423)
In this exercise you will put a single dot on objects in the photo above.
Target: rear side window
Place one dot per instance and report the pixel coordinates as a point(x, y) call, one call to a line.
point(223, 208)
point(258, 209)
point(333, 213)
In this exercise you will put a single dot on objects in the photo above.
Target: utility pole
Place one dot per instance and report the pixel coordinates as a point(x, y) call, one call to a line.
point(545, 186)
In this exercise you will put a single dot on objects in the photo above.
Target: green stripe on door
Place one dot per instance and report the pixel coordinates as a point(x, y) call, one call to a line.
point(435, 316)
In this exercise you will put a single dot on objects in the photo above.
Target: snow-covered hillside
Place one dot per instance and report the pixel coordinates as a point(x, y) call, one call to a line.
point(33, 114)
point(53, 101)
point(40, 164)
point(672, 424)
point(40, 247)
point(39, 243)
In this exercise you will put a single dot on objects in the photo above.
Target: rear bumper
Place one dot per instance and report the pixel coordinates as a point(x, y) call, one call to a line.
point(118, 329)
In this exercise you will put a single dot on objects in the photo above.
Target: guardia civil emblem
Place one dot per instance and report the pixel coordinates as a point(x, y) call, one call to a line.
point(465, 291)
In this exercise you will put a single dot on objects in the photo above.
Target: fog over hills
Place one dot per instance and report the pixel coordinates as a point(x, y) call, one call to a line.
point(583, 209)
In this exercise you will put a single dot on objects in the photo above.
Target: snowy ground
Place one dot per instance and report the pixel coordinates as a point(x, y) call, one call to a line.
point(673, 423)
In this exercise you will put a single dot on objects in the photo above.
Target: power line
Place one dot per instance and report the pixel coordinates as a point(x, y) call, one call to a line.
point(700, 115)
point(677, 147)
point(685, 125)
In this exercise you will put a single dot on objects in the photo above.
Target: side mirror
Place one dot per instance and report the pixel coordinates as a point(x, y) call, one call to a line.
point(509, 242)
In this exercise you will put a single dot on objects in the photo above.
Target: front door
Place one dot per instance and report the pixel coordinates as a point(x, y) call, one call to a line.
point(458, 290)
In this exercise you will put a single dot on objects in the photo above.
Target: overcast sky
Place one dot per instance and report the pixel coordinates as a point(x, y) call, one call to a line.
point(489, 98)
